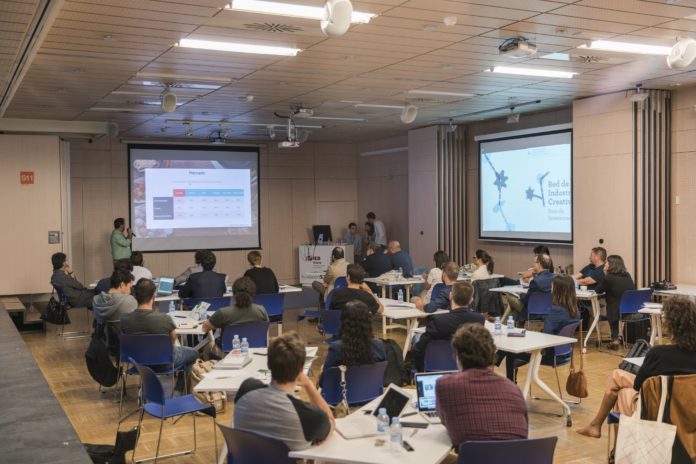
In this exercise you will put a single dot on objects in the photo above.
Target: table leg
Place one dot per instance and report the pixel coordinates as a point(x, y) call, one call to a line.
point(658, 318)
point(384, 291)
point(384, 326)
point(223, 454)
point(533, 375)
point(595, 323)
point(411, 324)
point(408, 292)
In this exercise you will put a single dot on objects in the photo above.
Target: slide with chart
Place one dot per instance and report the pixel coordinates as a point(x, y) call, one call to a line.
point(526, 188)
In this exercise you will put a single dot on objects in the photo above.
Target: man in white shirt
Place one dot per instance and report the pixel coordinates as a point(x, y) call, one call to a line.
point(380, 230)
point(139, 272)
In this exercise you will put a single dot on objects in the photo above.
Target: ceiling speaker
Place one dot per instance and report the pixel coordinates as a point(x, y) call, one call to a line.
point(683, 54)
point(168, 101)
point(112, 129)
point(408, 114)
point(337, 17)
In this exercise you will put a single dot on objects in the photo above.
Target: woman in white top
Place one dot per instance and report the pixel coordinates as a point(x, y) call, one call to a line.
point(434, 276)
point(484, 263)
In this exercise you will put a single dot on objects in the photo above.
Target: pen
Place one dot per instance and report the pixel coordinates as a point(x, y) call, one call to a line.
point(260, 354)
point(410, 414)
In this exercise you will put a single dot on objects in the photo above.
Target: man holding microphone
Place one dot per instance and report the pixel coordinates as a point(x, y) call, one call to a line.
point(121, 240)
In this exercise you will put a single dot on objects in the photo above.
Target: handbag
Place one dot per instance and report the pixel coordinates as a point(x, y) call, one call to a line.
point(342, 409)
point(576, 385)
point(56, 312)
point(217, 399)
point(645, 441)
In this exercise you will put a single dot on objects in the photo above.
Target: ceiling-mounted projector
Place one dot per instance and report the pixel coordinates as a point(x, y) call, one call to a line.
point(682, 55)
point(517, 47)
point(289, 144)
point(337, 17)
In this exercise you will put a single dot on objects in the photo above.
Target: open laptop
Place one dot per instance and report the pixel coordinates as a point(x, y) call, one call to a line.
point(166, 286)
point(425, 389)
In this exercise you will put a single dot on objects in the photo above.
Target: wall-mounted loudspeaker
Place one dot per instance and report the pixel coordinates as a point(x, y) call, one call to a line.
point(682, 55)
point(337, 17)
point(112, 129)
point(408, 114)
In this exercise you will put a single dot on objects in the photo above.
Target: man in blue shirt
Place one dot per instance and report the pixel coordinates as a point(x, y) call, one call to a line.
point(593, 273)
point(352, 237)
point(541, 283)
point(399, 258)
point(440, 298)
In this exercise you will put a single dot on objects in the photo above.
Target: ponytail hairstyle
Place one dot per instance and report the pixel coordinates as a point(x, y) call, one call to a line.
point(243, 290)
point(486, 259)
point(441, 259)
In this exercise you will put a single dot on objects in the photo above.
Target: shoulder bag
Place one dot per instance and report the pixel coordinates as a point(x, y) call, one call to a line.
point(576, 385)
point(56, 312)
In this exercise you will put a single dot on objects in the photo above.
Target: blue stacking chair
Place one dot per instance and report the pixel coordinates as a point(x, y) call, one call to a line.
point(439, 357)
point(73, 334)
point(250, 448)
point(340, 282)
point(363, 383)
point(631, 302)
point(256, 334)
point(523, 451)
point(215, 302)
point(273, 303)
point(157, 405)
point(331, 321)
point(538, 306)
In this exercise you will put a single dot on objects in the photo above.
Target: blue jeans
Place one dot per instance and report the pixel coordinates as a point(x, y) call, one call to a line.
point(184, 356)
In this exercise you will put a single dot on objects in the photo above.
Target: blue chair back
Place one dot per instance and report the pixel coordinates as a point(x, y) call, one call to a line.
point(215, 303)
point(539, 304)
point(341, 282)
point(331, 321)
point(524, 451)
point(439, 356)
point(273, 303)
point(363, 383)
point(147, 349)
point(152, 390)
point(565, 352)
point(327, 300)
point(256, 334)
point(632, 300)
point(61, 295)
point(250, 448)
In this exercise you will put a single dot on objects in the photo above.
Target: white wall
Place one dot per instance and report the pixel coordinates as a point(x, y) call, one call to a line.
point(422, 194)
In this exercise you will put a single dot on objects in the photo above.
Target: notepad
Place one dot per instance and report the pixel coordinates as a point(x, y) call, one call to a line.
point(233, 362)
point(357, 426)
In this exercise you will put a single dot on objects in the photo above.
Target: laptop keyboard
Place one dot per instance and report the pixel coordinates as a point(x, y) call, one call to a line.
point(432, 414)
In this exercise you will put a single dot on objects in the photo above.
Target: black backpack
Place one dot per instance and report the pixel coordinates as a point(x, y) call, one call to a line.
point(99, 364)
point(395, 372)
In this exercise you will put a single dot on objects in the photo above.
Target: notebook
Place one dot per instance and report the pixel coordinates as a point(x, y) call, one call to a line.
point(427, 399)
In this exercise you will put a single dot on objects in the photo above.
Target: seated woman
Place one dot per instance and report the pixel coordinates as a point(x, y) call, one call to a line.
point(679, 317)
point(564, 311)
point(485, 265)
point(434, 276)
point(616, 281)
point(263, 277)
point(355, 345)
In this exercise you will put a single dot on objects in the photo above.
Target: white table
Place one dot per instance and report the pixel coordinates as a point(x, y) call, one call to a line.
point(430, 446)
point(533, 343)
point(406, 311)
point(655, 314)
point(407, 283)
point(588, 295)
point(467, 276)
point(682, 290)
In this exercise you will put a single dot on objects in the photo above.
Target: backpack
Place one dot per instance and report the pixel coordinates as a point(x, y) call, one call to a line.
point(395, 372)
point(113, 454)
point(217, 399)
point(99, 363)
point(638, 350)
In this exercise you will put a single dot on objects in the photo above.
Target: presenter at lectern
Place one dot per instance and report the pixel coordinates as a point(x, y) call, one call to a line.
point(121, 240)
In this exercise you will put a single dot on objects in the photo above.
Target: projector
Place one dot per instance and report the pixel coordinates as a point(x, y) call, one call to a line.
point(303, 113)
point(517, 49)
point(288, 144)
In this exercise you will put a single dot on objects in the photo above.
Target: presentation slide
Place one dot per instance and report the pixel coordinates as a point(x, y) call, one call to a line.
point(526, 189)
point(192, 197)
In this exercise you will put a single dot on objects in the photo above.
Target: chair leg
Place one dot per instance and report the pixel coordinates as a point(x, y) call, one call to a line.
point(215, 436)
point(140, 429)
point(280, 329)
point(159, 440)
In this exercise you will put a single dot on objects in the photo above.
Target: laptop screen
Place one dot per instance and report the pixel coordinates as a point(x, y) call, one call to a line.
point(166, 285)
point(425, 386)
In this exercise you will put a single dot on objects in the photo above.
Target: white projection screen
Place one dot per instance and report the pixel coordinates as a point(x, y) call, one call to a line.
point(525, 187)
point(185, 198)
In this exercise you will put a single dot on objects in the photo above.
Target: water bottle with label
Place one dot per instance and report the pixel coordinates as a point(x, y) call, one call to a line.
point(510, 323)
point(498, 327)
point(400, 274)
point(172, 307)
point(236, 346)
point(396, 437)
point(244, 347)
point(401, 296)
point(382, 420)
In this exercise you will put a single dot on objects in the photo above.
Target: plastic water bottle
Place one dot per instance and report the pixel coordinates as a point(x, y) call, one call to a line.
point(396, 438)
point(498, 328)
point(401, 296)
point(510, 323)
point(382, 420)
point(244, 347)
point(236, 346)
point(171, 307)
point(400, 274)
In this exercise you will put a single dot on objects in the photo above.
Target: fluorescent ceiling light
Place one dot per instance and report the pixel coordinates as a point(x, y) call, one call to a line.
point(372, 105)
point(289, 9)
point(236, 123)
point(556, 56)
point(337, 118)
point(183, 77)
point(159, 103)
point(178, 85)
point(123, 110)
point(532, 72)
point(626, 47)
point(437, 92)
point(238, 47)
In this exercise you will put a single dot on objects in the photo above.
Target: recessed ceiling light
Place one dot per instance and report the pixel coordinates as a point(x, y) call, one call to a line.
point(108, 37)
point(627, 47)
point(532, 72)
point(178, 85)
point(289, 9)
point(373, 105)
point(437, 92)
point(238, 47)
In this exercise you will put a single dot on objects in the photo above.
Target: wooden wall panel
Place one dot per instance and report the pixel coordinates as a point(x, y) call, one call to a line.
point(422, 194)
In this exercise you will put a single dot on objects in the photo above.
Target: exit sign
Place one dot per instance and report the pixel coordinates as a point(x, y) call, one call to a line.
point(26, 177)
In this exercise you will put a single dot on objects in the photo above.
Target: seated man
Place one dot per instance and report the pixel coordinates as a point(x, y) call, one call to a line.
point(541, 283)
point(263, 277)
point(139, 272)
point(111, 306)
point(336, 269)
point(357, 290)
point(476, 403)
point(399, 258)
point(375, 263)
point(592, 274)
point(443, 326)
point(294, 422)
point(207, 283)
point(530, 273)
point(441, 299)
point(103, 285)
point(78, 295)
point(183, 277)
point(145, 320)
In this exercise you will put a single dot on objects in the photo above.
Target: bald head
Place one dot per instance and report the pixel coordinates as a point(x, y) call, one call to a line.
point(394, 246)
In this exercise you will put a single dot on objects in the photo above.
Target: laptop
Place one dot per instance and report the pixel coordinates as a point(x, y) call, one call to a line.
point(166, 286)
point(425, 389)
point(358, 425)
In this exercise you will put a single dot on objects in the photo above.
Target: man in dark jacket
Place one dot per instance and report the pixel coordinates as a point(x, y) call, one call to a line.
point(206, 284)
point(443, 326)
point(78, 295)
point(541, 283)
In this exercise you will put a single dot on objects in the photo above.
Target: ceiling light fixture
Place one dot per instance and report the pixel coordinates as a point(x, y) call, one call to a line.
point(627, 47)
point(238, 47)
point(337, 118)
point(293, 10)
point(374, 105)
point(183, 77)
point(437, 92)
point(177, 85)
point(532, 72)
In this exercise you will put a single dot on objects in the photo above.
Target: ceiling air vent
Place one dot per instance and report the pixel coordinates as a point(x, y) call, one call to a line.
point(272, 27)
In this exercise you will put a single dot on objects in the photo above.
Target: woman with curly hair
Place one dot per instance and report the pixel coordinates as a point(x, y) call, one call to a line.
point(355, 345)
point(679, 358)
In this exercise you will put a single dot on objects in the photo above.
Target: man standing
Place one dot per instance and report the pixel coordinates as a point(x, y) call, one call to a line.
point(399, 258)
point(121, 240)
point(380, 237)
point(593, 273)
point(352, 237)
